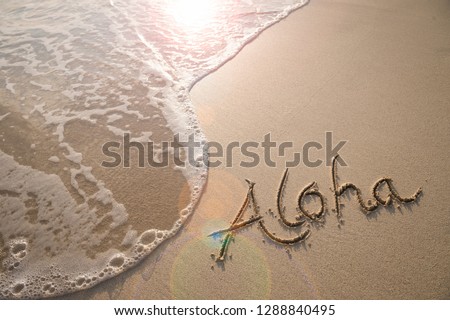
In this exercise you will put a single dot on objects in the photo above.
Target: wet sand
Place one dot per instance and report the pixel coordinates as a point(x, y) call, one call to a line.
point(372, 73)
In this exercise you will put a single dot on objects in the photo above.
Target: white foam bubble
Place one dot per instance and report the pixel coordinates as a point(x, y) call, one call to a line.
point(54, 159)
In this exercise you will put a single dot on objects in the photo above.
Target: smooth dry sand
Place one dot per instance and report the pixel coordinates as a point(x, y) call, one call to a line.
point(375, 73)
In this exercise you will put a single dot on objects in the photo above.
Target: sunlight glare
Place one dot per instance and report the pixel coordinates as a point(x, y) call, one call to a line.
point(192, 13)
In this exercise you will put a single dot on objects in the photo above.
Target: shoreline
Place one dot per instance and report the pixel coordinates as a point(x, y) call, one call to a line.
point(373, 74)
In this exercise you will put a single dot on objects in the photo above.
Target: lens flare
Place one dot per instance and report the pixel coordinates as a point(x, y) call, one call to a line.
point(246, 275)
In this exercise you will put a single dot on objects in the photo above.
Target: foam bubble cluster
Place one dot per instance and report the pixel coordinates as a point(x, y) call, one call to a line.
point(75, 75)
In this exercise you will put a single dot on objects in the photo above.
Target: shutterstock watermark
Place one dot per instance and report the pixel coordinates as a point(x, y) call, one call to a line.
point(213, 154)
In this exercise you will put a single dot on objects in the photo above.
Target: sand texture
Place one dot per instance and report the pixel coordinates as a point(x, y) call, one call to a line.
point(374, 73)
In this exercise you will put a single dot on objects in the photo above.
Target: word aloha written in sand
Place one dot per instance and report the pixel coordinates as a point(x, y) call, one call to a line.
point(311, 190)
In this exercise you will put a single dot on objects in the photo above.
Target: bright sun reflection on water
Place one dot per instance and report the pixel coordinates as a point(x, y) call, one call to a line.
point(192, 13)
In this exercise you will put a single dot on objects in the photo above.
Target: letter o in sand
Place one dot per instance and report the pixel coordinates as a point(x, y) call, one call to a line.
point(310, 190)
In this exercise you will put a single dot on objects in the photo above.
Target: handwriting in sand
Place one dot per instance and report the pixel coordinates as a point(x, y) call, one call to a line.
point(303, 214)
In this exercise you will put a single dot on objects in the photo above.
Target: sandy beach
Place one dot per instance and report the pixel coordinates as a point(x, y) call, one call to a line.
point(375, 74)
